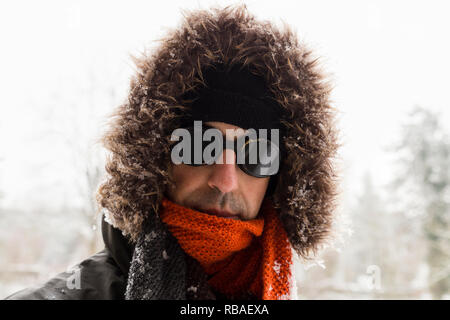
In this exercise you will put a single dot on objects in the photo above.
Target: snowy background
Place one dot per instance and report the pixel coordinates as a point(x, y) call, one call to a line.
point(65, 66)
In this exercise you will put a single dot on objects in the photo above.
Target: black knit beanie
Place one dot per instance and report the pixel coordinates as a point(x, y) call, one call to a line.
point(235, 96)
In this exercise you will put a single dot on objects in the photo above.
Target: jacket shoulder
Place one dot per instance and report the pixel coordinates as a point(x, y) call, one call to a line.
point(95, 278)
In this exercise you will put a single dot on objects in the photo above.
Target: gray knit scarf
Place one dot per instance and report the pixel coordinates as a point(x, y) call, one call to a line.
point(161, 270)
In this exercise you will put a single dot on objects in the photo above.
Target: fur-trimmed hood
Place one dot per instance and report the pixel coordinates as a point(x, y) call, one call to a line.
point(140, 129)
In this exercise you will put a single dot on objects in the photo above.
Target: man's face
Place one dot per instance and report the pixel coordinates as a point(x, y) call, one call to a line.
point(221, 189)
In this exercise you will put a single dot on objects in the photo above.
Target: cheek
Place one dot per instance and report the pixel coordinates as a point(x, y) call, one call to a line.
point(257, 186)
point(187, 179)
point(254, 189)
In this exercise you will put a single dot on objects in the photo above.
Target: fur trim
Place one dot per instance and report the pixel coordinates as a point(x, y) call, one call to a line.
point(139, 133)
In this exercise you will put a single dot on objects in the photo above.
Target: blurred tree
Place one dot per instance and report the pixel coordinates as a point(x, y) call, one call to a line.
point(1, 193)
point(77, 127)
point(424, 179)
point(82, 133)
point(370, 232)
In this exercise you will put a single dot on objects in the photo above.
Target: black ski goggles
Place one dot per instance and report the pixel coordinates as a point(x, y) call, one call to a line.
point(256, 155)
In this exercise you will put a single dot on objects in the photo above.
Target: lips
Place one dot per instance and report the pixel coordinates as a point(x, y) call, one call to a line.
point(220, 213)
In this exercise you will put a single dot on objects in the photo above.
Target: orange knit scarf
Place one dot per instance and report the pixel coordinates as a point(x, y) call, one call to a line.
point(241, 257)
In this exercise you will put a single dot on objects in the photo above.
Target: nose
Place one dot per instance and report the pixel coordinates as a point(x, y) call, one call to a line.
point(224, 175)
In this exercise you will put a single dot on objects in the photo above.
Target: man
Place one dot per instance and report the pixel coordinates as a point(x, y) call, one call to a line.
point(221, 229)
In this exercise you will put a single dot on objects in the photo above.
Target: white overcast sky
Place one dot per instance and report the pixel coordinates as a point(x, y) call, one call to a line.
point(384, 58)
